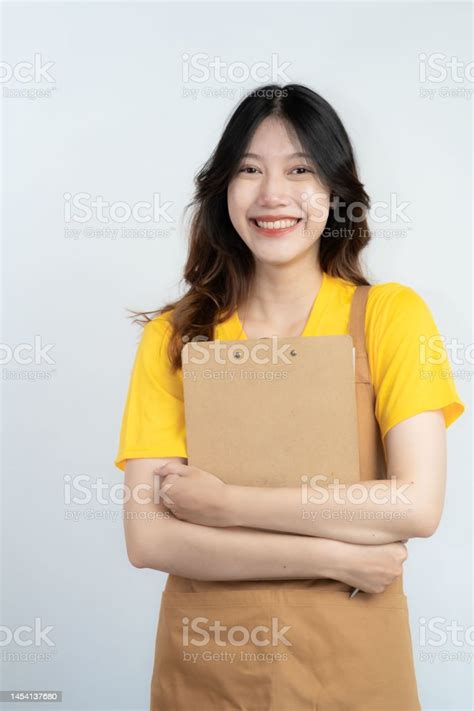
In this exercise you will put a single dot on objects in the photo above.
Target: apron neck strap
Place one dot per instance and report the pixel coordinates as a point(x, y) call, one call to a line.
point(357, 318)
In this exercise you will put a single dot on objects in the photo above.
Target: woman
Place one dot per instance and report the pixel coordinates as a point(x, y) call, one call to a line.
point(275, 243)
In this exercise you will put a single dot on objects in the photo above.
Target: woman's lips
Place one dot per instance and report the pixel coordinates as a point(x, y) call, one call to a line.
point(271, 232)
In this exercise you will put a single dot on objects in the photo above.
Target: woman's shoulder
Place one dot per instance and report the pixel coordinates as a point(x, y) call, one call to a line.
point(383, 298)
point(155, 334)
point(159, 324)
point(387, 300)
point(153, 353)
point(390, 290)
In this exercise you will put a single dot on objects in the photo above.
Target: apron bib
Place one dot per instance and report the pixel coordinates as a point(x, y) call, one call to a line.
point(290, 645)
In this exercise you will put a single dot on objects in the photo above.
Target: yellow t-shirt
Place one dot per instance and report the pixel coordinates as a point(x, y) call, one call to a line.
point(409, 366)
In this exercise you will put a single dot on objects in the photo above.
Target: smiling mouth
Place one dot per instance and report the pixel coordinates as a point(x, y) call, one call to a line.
point(276, 224)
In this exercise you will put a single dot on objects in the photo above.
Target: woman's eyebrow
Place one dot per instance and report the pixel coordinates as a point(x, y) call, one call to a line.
point(297, 154)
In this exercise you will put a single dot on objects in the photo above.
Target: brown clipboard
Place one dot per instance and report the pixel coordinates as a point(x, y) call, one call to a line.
point(259, 416)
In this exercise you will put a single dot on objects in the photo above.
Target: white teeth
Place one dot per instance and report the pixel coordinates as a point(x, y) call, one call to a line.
point(278, 225)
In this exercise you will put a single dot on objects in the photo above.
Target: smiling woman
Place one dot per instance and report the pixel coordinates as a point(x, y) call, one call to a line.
point(277, 232)
point(284, 152)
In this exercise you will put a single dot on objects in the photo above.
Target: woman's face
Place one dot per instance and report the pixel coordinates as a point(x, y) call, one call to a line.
point(273, 184)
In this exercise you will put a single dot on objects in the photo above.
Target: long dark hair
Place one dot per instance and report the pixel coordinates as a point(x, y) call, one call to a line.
point(219, 266)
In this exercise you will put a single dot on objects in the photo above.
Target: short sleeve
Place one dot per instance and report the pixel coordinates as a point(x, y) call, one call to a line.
point(409, 363)
point(153, 418)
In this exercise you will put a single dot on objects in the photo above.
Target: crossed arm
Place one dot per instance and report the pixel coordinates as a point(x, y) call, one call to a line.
point(406, 505)
point(205, 529)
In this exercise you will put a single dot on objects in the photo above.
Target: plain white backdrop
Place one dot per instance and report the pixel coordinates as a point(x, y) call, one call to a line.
point(132, 105)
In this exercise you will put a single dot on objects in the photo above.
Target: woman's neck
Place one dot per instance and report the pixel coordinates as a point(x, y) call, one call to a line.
point(279, 302)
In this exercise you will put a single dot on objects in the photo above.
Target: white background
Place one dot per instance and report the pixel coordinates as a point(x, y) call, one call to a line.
point(117, 124)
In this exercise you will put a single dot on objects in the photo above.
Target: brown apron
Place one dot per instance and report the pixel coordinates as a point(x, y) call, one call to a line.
point(290, 645)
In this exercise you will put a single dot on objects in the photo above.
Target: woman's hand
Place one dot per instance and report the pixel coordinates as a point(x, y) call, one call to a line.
point(368, 567)
point(194, 495)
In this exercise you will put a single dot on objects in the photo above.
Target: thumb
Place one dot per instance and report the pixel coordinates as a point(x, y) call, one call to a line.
point(171, 468)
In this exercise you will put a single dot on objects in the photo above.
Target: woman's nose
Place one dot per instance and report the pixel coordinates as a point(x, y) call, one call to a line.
point(272, 191)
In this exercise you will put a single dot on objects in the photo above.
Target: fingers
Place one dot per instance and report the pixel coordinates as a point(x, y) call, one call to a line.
point(172, 468)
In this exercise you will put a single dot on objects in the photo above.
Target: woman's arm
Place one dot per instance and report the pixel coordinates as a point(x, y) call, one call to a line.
point(374, 512)
point(409, 506)
point(156, 539)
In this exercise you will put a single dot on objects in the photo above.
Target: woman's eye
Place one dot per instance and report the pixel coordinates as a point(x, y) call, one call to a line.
point(246, 168)
point(307, 170)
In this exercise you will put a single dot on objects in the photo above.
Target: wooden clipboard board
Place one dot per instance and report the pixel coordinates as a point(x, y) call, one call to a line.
point(267, 417)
